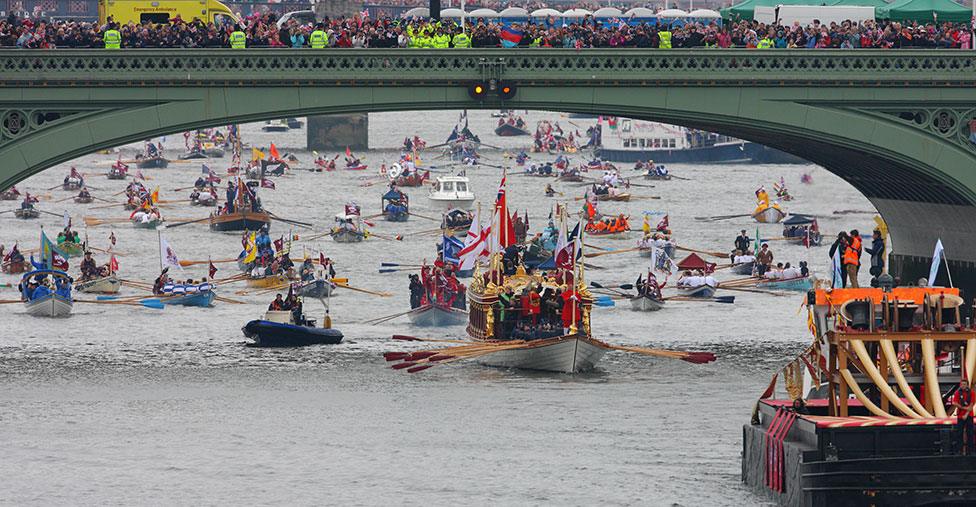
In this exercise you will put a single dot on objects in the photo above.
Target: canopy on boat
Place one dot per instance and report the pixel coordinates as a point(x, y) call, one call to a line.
point(693, 261)
point(44, 272)
point(924, 11)
point(393, 195)
point(799, 220)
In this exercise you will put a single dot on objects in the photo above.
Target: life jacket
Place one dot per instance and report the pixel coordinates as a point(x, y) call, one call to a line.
point(851, 257)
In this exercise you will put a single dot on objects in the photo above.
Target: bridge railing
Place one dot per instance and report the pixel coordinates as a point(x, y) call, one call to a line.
point(337, 67)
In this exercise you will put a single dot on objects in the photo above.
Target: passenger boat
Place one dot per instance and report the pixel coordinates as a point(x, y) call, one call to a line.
point(241, 220)
point(157, 162)
point(568, 353)
point(638, 140)
point(84, 199)
point(803, 283)
point(646, 303)
point(769, 215)
point(47, 303)
point(801, 229)
point(696, 291)
point(279, 329)
point(275, 126)
point(319, 288)
point(27, 213)
point(71, 249)
point(103, 285)
point(437, 315)
point(510, 130)
point(452, 192)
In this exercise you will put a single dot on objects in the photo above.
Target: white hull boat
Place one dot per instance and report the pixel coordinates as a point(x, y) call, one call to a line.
point(770, 215)
point(104, 285)
point(452, 192)
point(646, 304)
point(51, 305)
point(701, 291)
point(744, 268)
point(437, 316)
point(565, 354)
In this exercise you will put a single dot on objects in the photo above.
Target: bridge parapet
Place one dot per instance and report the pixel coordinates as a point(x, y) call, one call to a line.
point(287, 67)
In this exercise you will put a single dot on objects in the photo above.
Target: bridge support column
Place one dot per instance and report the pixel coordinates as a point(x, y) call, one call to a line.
point(336, 132)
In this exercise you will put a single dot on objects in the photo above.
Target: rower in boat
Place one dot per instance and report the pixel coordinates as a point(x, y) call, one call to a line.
point(549, 190)
point(743, 263)
point(146, 217)
point(69, 242)
point(520, 158)
point(73, 181)
point(782, 193)
point(787, 277)
point(657, 172)
point(649, 297)
point(152, 156)
point(98, 279)
point(44, 297)
point(13, 262)
point(766, 212)
point(696, 284)
point(608, 226)
point(84, 196)
point(441, 300)
point(26, 210)
point(396, 205)
point(119, 170)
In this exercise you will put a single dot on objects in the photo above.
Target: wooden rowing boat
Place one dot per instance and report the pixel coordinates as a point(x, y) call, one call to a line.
point(241, 220)
point(624, 197)
point(13, 268)
point(769, 215)
point(151, 162)
point(744, 268)
point(646, 304)
point(267, 281)
point(802, 283)
point(437, 316)
point(566, 354)
point(700, 291)
point(71, 249)
point(84, 200)
point(340, 235)
point(27, 213)
point(104, 285)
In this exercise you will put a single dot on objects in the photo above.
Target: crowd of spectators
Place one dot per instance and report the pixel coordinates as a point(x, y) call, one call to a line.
point(262, 31)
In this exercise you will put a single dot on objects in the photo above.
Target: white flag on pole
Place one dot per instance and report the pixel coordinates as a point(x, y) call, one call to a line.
point(836, 275)
point(936, 259)
point(167, 255)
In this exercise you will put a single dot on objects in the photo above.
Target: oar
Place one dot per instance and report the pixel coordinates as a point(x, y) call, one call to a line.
point(724, 217)
point(691, 357)
point(180, 224)
point(704, 252)
point(93, 221)
point(229, 300)
point(52, 214)
point(422, 216)
point(387, 238)
point(155, 304)
point(380, 294)
point(395, 265)
point(600, 301)
point(716, 299)
point(598, 286)
point(407, 338)
point(396, 270)
point(757, 291)
point(611, 252)
point(293, 222)
point(380, 320)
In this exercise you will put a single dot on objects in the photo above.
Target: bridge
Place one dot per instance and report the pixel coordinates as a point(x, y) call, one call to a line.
point(894, 124)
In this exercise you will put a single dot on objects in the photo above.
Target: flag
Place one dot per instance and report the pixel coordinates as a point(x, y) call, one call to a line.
point(451, 248)
point(50, 253)
point(321, 259)
point(205, 169)
point(266, 183)
point(113, 264)
point(257, 154)
point(154, 196)
point(213, 269)
point(505, 230)
point(66, 219)
point(475, 244)
point(279, 244)
point(348, 152)
point(140, 176)
point(111, 238)
point(510, 37)
point(836, 276)
point(212, 178)
point(75, 174)
point(936, 260)
point(364, 14)
point(564, 246)
point(663, 224)
point(274, 152)
point(250, 248)
point(756, 246)
point(167, 256)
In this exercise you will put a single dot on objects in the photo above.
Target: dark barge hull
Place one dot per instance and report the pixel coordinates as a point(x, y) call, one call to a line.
point(273, 334)
point(240, 222)
point(870, 464)
point(731, 153)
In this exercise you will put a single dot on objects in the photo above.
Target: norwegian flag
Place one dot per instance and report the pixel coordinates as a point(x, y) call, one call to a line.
point(213, 269)
point(266, 183)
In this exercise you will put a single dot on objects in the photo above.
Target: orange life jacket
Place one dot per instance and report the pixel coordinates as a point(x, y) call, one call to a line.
point(851, 257)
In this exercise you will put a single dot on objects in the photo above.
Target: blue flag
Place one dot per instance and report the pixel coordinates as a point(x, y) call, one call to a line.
point(450, 249)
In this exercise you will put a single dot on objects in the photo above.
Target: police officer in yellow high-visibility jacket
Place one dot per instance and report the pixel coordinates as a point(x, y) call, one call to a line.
point(664, 39)
point(112, 37)
point(461, 40)
point(765, 43)
point(318, 39)
point(441, 40)
point(238, 40)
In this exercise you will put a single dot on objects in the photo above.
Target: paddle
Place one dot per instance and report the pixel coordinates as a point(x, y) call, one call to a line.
point(395, 265)
point(422, 216)
point(381, 320)
point(194, 263)
point(387, 238)
point(52, 214)
point(610, 252)
point(604, 302)
point(154, 304)
point(598, 286)
point(704, 252)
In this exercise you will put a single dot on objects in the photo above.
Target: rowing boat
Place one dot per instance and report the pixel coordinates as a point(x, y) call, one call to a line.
point(341, 235)
point(699, 291)
point(203, 299)
point(645, 303)
point(72, 185)
point(437, 315)
point(104, 285)
point(9, 195)
point(624, 197)
point(802, 283)
point(71, 249)
point(316, 289)
point(146, 221)
point(510, 130)
point(84, 199)
point(44, 302)
point(744, 268)
point(566, 354)
point(267, 281)
point(27, 213)
point(151, 162)
point(13, 267)
point(242, 220)
point(769, 215)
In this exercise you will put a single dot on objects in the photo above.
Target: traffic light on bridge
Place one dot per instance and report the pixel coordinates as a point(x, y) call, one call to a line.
point(479, 90)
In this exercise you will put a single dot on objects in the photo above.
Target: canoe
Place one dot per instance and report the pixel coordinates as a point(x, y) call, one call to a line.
point(204, 299)
point(769, 215)
point(267, 281)
point(437, 316)
point(105, 285)
point(152, 163)
point(240, 221)
point(315, 289)
point(802, 283)
point(266, 333)
point(27, 214)
point(744, 268)
point(701, 291)
point(71, 249)
point(347, 236)
point(507, 130)
point(646, 304)
point(565, 354)
point(51, 305)
point(618, 197)
point(84, 200)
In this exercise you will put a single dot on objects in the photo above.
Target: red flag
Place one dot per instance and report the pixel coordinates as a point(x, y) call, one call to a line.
point(279, 244)
point(113, 264)
point(506, 230)
point(663, 224)
point(266, 183)
point(274, 152)
point(59, 262)
point(321, 259)
point(213, 269)
point(348, 152)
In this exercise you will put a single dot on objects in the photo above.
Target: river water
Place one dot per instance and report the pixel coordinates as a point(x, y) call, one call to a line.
point(122, 405)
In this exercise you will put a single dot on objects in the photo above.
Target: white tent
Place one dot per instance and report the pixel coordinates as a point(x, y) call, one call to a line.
point(483, 13)
point(639, 12)
point(545, 13)
point(513, 12)
point(704, 14)
point(672, 14)
point(576, 13)
point(453, 14)
point(607, 12)
point(417, 12)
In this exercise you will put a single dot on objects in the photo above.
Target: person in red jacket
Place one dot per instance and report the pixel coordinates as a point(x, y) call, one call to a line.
point(963, 400)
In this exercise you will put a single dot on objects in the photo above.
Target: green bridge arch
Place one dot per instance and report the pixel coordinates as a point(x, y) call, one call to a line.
point(894, 124)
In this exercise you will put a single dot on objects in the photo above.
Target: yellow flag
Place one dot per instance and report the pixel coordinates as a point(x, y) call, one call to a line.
point(257, 154)
point(154, 196)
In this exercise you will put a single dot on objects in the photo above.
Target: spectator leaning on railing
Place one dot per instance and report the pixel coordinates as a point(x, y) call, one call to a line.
point(261, 31)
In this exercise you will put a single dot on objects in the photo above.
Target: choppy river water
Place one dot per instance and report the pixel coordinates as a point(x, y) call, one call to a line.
point(121, 405)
